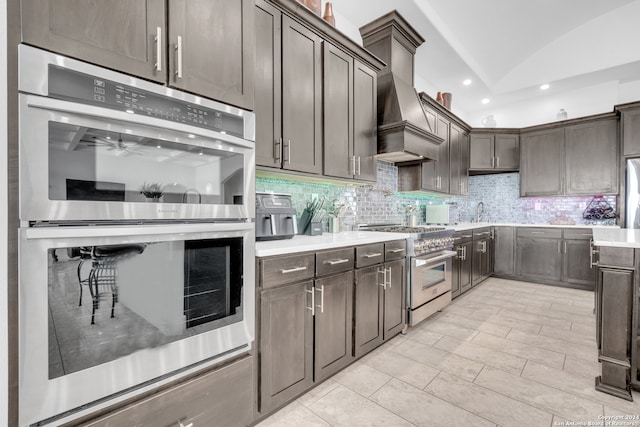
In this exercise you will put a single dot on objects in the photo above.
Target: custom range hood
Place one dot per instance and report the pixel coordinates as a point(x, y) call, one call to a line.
point(404, 134)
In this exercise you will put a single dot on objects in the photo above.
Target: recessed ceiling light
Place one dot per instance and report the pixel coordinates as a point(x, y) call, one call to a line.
point(158, 146)
point(129, 111)
point(486, 101)
point(466, 82)
point(544, 87)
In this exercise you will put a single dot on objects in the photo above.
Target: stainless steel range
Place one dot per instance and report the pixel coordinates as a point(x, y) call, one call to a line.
point(429, 251)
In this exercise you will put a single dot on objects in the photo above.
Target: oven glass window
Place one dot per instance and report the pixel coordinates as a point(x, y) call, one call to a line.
point(109, 301)
point(100, 165)
point(433, 275)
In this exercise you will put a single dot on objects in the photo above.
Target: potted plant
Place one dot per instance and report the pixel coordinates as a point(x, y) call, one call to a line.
point(152, 191)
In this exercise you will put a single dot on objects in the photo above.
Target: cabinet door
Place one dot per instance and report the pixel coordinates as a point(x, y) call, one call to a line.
point(333, 324)
point(576, 266)
point(112, 33)
point(466, 271)
point(479, 261)
point(369, 306)
point(429, 178)
point(455, 159)
point(338, 113)
point(394, 301)
point(507, 152)
point(542, 163)
point(456, 261)
point(481, 151)
point(539, 258)
point(268, 91)
point(211, 49)
point(301, 98)
point(365, 117)
point(286, 343)
point(442, 165)
point(504, 253)
point(631, 132)
point(591, 151)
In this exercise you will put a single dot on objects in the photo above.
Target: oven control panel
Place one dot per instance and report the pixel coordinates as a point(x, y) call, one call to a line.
point(79, 87)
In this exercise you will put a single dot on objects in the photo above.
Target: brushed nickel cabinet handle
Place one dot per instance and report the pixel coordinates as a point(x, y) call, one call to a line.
point(493, 162)
point(565, 246)
point(592, 252)
point(559, 250)
point(384, 278)
point(497, 162)
point(387, 281)
point(185, 425)
point(313, 300)
point(289, 151)
point(321, 306)
point(179, 58)
point(277, 144)
point(338, 261)
point(373, 255)
point(158, 40)
point(464, 253)
point(358, 162)
point(395, 251)
point(293, 270)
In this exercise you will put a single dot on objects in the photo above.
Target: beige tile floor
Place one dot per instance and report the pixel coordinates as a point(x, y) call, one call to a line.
point(505, 353)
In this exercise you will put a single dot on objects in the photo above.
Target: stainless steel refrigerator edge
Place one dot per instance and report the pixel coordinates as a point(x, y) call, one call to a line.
point(632, 194)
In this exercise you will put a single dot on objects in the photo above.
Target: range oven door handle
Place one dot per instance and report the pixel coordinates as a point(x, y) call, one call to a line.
point(445, 255)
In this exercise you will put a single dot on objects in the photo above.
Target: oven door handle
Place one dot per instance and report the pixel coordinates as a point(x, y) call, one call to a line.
point(445, 255)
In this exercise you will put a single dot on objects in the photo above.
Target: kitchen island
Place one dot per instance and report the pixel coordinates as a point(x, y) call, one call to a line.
point(617, 256)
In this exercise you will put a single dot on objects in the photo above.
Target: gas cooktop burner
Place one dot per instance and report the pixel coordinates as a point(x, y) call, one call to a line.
point(407, 229)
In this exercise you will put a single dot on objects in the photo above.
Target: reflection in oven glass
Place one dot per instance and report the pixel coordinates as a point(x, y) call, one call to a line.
point(109, 301)
point(432, 276)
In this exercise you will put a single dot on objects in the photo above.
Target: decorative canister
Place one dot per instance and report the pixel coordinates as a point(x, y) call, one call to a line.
point(439, 98)
point(446, 100)
point(328, 14)
point(314, 5)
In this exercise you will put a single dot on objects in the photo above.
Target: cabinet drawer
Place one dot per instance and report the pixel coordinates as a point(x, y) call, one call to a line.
point(334, 261)
point(481, 233)
point(615, 257)
point(286, 269)
point(550, 233)
point(578, 233)
point(395, 250)
point(369, 254)
point(221, 398)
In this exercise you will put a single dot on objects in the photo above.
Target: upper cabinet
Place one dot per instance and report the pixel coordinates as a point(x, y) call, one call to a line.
point(210, 55)
point(316, 96)
point(577, 159)
point(630, 128)
point(494, 152)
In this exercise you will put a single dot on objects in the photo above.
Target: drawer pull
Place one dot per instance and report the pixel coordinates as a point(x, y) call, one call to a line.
point(395, 251)
point(185, 425)
point(373, 255)
point(537, 232)
point(338, 261)
point(293, 270)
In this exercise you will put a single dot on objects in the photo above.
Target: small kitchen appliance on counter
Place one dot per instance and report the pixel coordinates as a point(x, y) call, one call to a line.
point(275, 217)
point(444, 214)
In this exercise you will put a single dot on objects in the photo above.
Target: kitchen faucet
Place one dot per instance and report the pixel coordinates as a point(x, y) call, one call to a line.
point(479, 212)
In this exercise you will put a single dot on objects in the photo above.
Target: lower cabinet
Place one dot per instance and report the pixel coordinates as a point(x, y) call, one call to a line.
point(504, 260)
point(221, 397)
point(538, 254)
point(461, 263)
point(481, 261)
point(576, 264)
point(313, 322)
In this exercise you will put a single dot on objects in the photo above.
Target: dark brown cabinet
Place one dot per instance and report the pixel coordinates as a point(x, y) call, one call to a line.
point(576, 265)
point(504, 251)
point(481, 257)
point(571, 160)
point(458, 161)
point(379, 294)
point(461, 265)
point(349, 127)
point(539, 253)
point(494, 152)
point(145, 39)
point(288, 93)
point(630, 129)
point(435, 173)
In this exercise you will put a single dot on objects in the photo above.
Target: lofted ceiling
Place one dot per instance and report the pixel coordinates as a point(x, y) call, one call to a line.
point(587, 51)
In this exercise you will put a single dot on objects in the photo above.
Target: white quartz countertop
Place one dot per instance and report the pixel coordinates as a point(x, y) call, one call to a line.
point(471, 225)
point(618, 237)
point(324, 241)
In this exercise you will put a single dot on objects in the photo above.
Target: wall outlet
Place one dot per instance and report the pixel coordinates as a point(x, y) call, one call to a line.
point(537, 206)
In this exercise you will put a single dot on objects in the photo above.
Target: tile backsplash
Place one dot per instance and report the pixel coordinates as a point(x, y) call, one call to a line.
point(381, 203)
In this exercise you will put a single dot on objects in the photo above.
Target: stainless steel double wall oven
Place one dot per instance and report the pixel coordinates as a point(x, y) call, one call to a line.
point(136, 235)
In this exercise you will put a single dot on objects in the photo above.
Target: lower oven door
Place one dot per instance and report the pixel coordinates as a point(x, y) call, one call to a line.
point(110, 312)
point(430, 277)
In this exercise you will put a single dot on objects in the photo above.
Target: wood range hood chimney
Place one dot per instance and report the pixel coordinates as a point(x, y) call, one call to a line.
point(404, 134)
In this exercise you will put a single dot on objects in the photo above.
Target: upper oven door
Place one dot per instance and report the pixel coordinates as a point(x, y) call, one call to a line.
point(81, 162)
